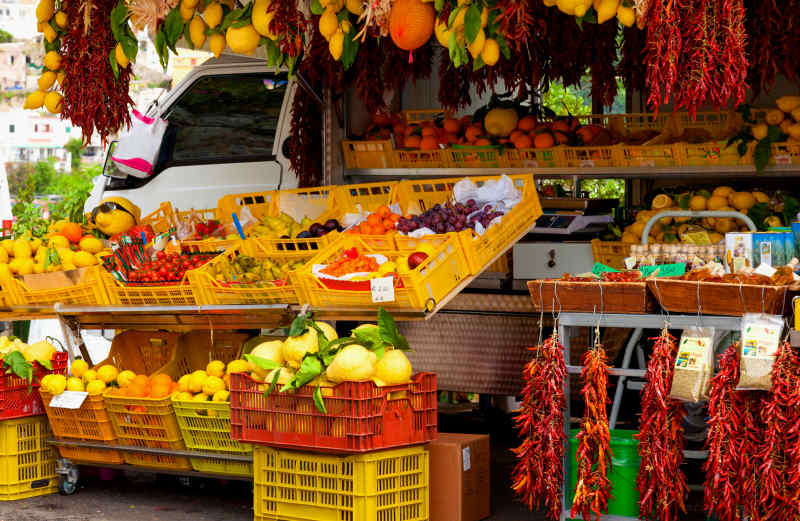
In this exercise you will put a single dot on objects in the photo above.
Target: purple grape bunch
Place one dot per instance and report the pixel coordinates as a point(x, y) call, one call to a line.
point(449, 217)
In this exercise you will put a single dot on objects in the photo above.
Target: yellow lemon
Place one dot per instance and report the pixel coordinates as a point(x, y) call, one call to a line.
point(45, 10)
point(184, 396)
point(125, 378)
point(52, 60)
point(61, 19)
point(95, 387)
point(52, 102)
point(197, 380)
point(65, 255)
point(183, 383)
point(261, 19)
point(476, 46)
point(26, 266)
point(723, 191)
point(626, 15)
point(200, 397)
point(761, 197)
point(82, 259)
point(697, 203)
point(237, 366)
point(74, 384)
point(49, 33)
point(120, 56)
point(78, 367)
point(345, 26)
point(46, 80)
point(356, 7)
point(661, 202)
point(242, 40)
point(89, 376)
point(336, 44)
point(35, 244)
point(221, 396)
point(213, 14)
point(500, 122)
point(3, 255)
point(216, 368)
point(216, 43)
point(742, 200)
point(8, 245)
point(58, 241)
point(213, 384)
point(58, 383)
point(442, 33)
point(197, 32)
point(60, 77)
point(715, 202)
point(394, 368)
point(491, 52)
point(34, 100)
point(107, 373)
point(328, 23)
point(91, 244)
point(22, 249)
point(187, 12)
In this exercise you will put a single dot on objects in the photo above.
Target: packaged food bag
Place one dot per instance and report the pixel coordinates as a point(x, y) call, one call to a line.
point(761, 336)
point(137, 149)
point(694, 364)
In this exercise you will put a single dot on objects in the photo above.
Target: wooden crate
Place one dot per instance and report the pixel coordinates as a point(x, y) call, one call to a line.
point(587, 297)
point(717, 298)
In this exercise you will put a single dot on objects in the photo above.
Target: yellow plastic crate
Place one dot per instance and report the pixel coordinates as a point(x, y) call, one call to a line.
point(212, 292)
point(649, 155)
point(147, 423)
point(87, 289)
point(141, 294)
point(161, 220)
point(27, 462)
point(534, 158)
point(476, 157)
point(710, 154)
point(419, 195)
point(611, 253)
point(207, 245)
point(422, 158)
point(318, 204)
point(367, 197)
point(196, 349)
point(207, 427)
point(591, 157)
point(368, 154)
point(422, 115)
point(423, 287)
point(714, 122)
point(385, 485)
point(783, 154)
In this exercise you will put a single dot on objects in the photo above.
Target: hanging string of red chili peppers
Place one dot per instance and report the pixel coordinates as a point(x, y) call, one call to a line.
point(749, 481)
point(780, 446)
point(662, 486)
point(593, 456)
point(773, 30)
point(695, 53)
point(722, 492)
point(539, 473)
point(94, 100)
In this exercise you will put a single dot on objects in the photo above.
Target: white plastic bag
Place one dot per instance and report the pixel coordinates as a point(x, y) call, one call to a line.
point(500, 192)
point(137, 149)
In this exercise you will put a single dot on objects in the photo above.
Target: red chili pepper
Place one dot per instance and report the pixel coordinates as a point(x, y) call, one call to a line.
point(352, 253)
point(539, 474)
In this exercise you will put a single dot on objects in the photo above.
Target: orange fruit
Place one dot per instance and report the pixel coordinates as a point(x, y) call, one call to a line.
point(412, 142)
point(482, 142)
point(561, 138)
point(543, 140)
point(472, 133)
point(373, 219)
point(428, 131)
point(429, 143)
point(523, 141)
point(364, 228)
point(411, 23)
point(160, 390)
point(161, 379)
point(388, 224)
point(586, 135)
point(451, 138)
point(451, 126)
point(137, 390)
point(514, 135)
point(411, 129)
point(72, 231)
point(394, 217)
point(376, 230)
point(526, 124)
point(383, 211)
point(140, 379)
point(560, 126)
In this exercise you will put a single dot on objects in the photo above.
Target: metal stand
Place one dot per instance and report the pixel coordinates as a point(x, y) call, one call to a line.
point(568, 321)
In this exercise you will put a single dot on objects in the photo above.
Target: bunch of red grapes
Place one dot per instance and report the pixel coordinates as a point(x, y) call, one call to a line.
point(450, 218)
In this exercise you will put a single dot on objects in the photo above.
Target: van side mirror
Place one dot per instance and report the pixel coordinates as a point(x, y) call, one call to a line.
point(285, 147)
point(109, 167)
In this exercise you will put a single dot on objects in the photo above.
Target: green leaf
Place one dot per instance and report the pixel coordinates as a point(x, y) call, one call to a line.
point(452, 47)
point(503, 44)
point(16, 364)
point(272, 384)
point(342, 15)
point(683, 202)
point(322, 339)
point(369, 337)
point(114, 65)
point(453, 15)
point(130, 46)
point(389, 332)
point(161, 47)
point(791, 206)
point(774, 134)
point(299, 325)
point(231, 17)
point(187, 37)
point(741, 148)
point(273, 52)
point(472, 23)
point(47, 364)
point(762, 153)
point(320, 404)
point(238, 24)
point(118, 18)
point(477, 63)
point(704, 193)
point(263, 363)
point(316, 8)
point(310, 368)
point(350, 49)
point(758, 213)
point(173, 28)
point(292, 65)
point(438, 5)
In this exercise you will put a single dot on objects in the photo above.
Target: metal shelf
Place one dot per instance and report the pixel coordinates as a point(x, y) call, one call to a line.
point(746, 171)
point(147, 450)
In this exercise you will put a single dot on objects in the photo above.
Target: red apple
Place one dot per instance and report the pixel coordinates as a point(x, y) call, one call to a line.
point(416, 258)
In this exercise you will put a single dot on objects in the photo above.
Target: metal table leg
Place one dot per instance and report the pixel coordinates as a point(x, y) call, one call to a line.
point(636, 335)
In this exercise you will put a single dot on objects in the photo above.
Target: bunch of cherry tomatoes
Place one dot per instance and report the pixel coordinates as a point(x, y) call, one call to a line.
point(167, 268)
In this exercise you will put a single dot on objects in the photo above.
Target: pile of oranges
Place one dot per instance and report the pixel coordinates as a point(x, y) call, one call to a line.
point(142, 386)
point(380, 222)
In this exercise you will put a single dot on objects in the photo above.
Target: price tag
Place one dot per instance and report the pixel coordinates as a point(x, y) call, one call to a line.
point(466, 459)
point(68, 400)
point(382, 289)
point(600, 268)
point(630, 262)
point(586, 163)
point(664, 270)
point(783, 159)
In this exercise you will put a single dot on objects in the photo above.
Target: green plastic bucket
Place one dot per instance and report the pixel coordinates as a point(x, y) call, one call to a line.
point(624, 468)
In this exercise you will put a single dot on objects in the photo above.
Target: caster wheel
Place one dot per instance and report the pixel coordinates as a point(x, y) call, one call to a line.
point(67, 487)
point(68, 476)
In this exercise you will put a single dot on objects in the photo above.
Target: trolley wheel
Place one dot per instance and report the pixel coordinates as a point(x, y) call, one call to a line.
point(68, 476)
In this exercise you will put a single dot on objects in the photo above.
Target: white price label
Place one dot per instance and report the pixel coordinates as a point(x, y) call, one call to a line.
point(783, 159)
point(765, 269)
point(68, 400)
point(630, 262)
point(587, 163)
point(382, 289)
point(466, 460)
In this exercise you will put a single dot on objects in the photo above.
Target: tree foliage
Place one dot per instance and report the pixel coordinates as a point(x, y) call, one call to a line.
point(6, 37)
point(74, 147)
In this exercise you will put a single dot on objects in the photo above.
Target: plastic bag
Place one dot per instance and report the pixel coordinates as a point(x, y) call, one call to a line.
point(761, 336)
point(500, 192)
point(694, 364)
point(137, 149)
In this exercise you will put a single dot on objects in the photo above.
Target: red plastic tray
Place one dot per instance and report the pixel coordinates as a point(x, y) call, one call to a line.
point(361, 416)
point(16, 401)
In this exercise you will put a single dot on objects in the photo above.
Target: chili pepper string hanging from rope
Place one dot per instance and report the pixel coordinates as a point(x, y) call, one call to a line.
point(661, 484)
point(780, 447)
point(593, 490)
point(722, 494)
point(747, 447)
point(539, 474)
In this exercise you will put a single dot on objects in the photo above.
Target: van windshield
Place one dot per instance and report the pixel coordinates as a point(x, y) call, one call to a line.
point(227, 117)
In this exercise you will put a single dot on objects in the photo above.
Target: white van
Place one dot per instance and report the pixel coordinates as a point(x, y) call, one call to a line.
point(228, 126)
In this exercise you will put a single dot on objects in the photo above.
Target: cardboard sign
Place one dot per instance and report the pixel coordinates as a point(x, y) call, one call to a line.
point(382, 289)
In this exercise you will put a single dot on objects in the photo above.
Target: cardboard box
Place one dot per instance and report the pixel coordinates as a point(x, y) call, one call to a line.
point(460, 477)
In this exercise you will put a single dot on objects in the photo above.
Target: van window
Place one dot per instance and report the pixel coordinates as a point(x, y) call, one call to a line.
point(226, 118)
